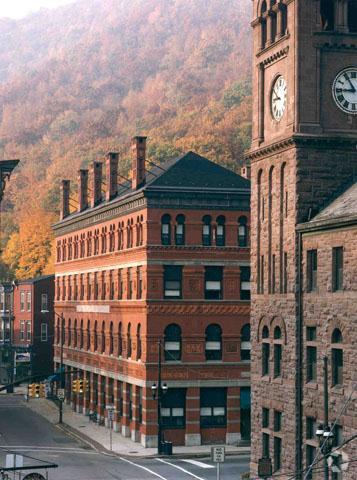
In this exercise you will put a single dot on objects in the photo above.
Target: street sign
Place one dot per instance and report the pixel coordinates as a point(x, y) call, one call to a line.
point(34, 476)
point(60, 393)
point(218, 454)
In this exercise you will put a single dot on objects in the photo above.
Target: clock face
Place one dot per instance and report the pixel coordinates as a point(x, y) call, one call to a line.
point(344, 90)
point(278, 98)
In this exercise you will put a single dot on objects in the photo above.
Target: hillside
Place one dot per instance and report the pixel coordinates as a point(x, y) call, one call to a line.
point(82, 79)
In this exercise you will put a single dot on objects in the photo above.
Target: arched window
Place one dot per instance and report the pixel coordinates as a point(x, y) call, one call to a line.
point(263, 24)
point(75, 334)
point(180, 230)
point(352, 16)
point(69, 337)
point(102, 337)
point(265, 351)
point(242, 232)
point(273, 26)
point(328, 14)
point(128, 351)
point(245, 345)
point(95, 336)
point(221, 231)
point(206, 230)
point(277, 351)
point(120, 340)
point(284, 19)
point(337, 357)
point(111, 339)
point(138, 342)
point(172, 342)
point(166, 230)
point(213, 342)
point(81, 336)
point(88, 335)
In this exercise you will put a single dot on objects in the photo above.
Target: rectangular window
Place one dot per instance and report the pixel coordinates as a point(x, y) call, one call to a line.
point(337, 366)
point(277, 453)
point(310, 428)
point(213, 283)
point(172, 281)
point(28, 331)
point(213, 407)
point(262, 266)
point(277, 420)
point(277, 360)
point(245, 283)
point(173, 408)
point(265, 445)
point(44, 335)
point(265, 358)
point(22, 301)
point(44, 302)
point(22, 330)
point(273, 277)
point(28, 301)
point(337, 268)
point(311, 272)
point(285, 273)
point(311, 363)
point(310, 334)
point(265, 417)
point(310, 457)
point(140, 284)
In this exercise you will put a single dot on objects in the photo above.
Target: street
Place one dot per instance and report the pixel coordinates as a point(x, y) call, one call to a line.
point(24, 432)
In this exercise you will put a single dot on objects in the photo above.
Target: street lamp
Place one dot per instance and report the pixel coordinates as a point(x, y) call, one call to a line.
point(158, 391)
point(60, 419)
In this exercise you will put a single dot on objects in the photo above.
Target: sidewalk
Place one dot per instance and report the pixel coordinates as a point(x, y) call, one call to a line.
point(79, 426)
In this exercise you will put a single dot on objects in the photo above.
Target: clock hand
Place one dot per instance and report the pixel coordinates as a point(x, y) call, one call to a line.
point(353, 90)
point(348, 90)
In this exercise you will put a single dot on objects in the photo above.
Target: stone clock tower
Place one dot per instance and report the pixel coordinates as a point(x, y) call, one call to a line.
point(303, 154)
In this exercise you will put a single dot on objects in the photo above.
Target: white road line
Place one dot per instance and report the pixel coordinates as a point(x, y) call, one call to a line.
point(144, 468)
point(198, 464)
point(180, 468)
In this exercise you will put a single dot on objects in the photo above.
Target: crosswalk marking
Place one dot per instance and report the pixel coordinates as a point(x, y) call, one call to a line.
point(179, 468)
point(198, 464)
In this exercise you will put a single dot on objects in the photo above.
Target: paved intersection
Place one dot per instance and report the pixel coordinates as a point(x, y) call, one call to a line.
point(25, 432)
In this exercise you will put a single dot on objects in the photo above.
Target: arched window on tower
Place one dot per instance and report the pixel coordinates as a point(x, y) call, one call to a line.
point(337, 357)
point(166, 230)
point(278, 350)
point(206, 230)
point(242, 231)
point(213, 342)
point(265, 351)
point(327, 12)
point(221, 231)
point(245, 345)
point(263, 24)
point(284, 19)
point(352, 16)
point(180, 230)
point(172, 342)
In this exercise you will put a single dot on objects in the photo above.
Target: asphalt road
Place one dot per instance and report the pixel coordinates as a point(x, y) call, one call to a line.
point(26, 433)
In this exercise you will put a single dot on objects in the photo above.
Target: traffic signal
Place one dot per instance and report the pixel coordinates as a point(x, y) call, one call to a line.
point(42, 390)
point(75, 386)
point(32, 389)
point(80, 385)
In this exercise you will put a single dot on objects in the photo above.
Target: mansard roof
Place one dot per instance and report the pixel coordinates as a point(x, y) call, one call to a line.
point(340, 212)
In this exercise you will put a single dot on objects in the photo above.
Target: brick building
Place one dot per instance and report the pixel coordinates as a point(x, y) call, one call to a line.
point(33, 326)
point(163, 256)
point(303, 155)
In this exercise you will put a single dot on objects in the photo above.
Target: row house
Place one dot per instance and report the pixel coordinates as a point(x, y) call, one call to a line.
point(161, 258)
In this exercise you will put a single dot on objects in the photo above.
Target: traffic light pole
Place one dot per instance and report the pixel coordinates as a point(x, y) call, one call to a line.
point(326, 468)
point(60, 419)
point(159, 429)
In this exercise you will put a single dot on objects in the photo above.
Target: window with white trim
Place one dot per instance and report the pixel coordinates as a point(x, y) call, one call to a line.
point(22, 330)
point(44, 332)
point(172, 342)
point(44, 302)
point(213, 407)
point(172, 281)
point(213, 342)
point(173, 405)
point(213, 283)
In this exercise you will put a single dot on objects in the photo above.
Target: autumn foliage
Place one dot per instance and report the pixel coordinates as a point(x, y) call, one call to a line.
point(80, 80)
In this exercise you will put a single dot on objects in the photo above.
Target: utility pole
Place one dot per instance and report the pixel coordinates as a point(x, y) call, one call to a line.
point(60, 420)
point(159, 433)
point(326, 468)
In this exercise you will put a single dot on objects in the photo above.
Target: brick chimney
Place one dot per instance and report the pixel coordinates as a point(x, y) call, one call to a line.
point(65, 189)
point(82, 189)
point(95, 177)
point(138, 162)
point(245, 171)
point(112, 175)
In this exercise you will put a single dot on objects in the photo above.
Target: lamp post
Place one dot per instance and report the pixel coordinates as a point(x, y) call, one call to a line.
point(62, 383)
point(158, 391)
point(323, 431)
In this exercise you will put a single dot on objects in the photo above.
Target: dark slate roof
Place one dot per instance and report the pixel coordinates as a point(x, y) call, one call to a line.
point(193, 171)
point(342, 211)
